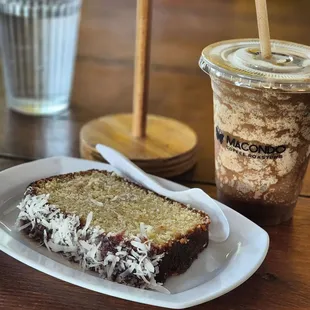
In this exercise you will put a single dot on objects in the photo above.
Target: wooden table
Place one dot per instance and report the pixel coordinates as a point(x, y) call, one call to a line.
point(103, 85)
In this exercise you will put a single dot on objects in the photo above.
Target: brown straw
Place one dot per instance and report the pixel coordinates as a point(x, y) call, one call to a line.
point(263, 28)
point(142, 60)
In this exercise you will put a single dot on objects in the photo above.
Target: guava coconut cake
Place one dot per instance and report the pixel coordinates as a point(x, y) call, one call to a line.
point(114, 227)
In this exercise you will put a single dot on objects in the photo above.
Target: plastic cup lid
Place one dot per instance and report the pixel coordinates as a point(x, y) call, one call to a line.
point(240, 62)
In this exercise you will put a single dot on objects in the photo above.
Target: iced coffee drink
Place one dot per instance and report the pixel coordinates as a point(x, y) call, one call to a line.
point(262, 126)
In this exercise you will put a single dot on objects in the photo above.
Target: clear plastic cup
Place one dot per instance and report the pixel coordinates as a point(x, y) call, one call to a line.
point(262, 125)
point(38, 47)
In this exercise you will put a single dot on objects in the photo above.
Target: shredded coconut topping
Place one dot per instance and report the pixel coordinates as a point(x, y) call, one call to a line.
point(127, 260)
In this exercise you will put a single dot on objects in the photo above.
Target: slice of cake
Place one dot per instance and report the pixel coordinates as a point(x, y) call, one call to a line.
point(107, 224)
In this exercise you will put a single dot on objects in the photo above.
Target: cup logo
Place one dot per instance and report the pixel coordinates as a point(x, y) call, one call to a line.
point(249, 149)
point(219, 135)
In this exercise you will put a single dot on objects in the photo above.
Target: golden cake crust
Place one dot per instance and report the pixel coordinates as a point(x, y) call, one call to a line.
point(178, 252)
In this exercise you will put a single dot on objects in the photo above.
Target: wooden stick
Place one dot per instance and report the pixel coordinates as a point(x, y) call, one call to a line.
point(142, 61)
point(263, 28)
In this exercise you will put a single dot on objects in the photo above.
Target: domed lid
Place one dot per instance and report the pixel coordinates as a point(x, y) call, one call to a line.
point(240, 62)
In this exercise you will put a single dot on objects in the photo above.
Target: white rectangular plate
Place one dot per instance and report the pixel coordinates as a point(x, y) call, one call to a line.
point(218, 269)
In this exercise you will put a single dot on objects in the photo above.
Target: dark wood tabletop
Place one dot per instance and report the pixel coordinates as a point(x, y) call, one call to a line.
point(103, 85)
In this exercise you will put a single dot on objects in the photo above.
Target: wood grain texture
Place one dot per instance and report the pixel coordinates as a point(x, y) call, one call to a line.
point(8, 163)
point(168, 149)
point(306, 183)
point(178, 89)
point(142, 67)
point(282, 282)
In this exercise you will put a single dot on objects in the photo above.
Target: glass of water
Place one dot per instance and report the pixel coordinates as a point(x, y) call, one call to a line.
point(38, 40)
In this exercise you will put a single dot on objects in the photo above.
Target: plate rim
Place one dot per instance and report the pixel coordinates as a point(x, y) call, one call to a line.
point(179, 300)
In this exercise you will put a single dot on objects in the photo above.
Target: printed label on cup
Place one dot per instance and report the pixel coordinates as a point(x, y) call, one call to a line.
point(247, 148)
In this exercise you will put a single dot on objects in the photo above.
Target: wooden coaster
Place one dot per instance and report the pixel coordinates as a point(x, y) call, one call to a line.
point(169, 148)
